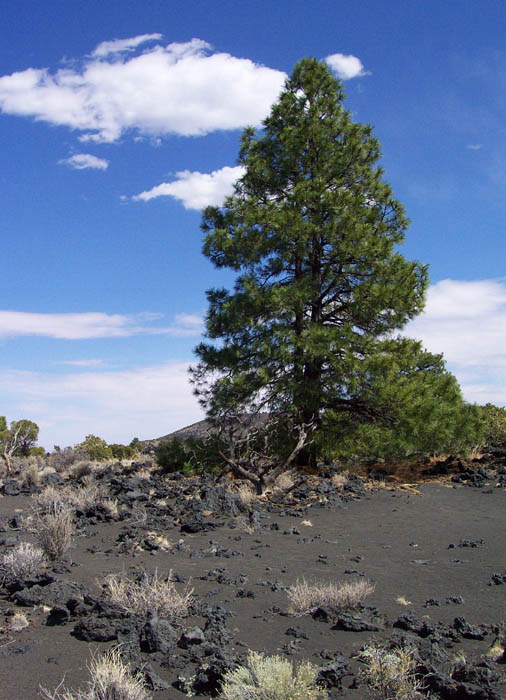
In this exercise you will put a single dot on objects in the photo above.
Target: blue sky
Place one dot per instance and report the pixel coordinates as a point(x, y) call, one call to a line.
point(119, 121)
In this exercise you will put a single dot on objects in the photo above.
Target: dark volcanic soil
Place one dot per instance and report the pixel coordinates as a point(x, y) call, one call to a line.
point(437, 558)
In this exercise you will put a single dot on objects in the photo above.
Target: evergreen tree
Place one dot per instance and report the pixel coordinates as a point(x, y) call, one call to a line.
point(312, 231)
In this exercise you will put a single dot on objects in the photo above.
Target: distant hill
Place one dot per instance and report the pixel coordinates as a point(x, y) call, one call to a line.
point(196, 430)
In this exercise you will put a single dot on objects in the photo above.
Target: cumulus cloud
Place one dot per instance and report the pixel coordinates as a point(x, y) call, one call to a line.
point(346, 67)
point(87, 325)
point(197, 190)
point(144, 402)
point(181, 88)
point(83, 161)
point(466, 321)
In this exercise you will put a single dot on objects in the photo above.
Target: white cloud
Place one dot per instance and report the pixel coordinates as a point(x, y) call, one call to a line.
point(197, 190)
point(187, 325)
point(182, 88)
point(118, 45)
point(144, 402)
point(466, 321)
point(82, 161)
point(77, 326)
point(83, 363)
point(474, 146)
point(346, 67)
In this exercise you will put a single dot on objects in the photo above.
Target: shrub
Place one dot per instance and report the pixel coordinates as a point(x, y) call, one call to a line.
point(54, 532)
point(191, 455)
point(150, 593)
point(95, 448)
point(23, 562)
point(122, 451)
point(305, 596)
point(390, 673)
point(495, 425)
point(272, 678)
point(63, 459)
point(111, 679)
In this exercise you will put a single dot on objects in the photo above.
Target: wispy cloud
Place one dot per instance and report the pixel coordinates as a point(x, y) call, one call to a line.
point(181, 88)
point(466, 321)
point(346, 67)
point(92, 362)
point(144, 402)
point(83, 161)
point(197, 190)
point(187, 325)
point(80, 326)
point(474, 146)
point(106, 48)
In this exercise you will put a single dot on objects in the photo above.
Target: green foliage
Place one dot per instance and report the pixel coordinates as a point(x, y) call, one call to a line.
point(413, 405)
point(313, 232)
point(95, 448)
point(18, 439)
point(494, 418)
point(122, 451)
point(190, 455)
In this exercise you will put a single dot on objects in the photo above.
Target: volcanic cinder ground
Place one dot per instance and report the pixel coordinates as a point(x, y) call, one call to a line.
point(435, 553)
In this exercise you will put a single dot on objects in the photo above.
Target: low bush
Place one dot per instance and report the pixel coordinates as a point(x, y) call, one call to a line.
point(111, 679)
point(305, 596)
point(390, 673)
point(190, 455)
point(150, 593)
point(54, 532)
point(24, 561)
point(272, 678)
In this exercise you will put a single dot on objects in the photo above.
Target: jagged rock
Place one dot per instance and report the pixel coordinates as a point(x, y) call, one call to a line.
point(330, 675)
point(158, 636)
point(95, 629)
point(191, 637)
point(469, 631)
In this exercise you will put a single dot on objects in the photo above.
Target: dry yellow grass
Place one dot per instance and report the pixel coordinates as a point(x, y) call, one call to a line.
point(305, 597)
point(151, 593)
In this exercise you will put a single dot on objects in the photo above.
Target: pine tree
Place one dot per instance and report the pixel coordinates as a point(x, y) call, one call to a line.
point(313, 231)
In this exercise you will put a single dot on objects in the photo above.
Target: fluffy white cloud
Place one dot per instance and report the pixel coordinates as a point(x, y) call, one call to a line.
point(197, 190)
point(82, 161)
point(346, 67)
point(182, 88)
point(466, 321)
point(77, 326)
point(106, 48)
point(144, 402)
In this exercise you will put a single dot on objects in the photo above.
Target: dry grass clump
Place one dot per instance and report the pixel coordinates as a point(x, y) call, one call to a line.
point(305, 596)
point(18, 622)
point(24, 561)
point(390, 673)
point(151, 593)
point(272, 678)
point(54, 532)
point(402, 600)
point(111, 679)
point(53, 500)
point(30, 475)
point(496, 650)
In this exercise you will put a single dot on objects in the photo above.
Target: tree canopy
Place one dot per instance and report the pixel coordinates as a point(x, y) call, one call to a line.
point(313, 232)
point(17, 439)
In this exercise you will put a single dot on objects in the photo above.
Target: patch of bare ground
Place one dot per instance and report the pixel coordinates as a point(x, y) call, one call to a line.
point(398, 581)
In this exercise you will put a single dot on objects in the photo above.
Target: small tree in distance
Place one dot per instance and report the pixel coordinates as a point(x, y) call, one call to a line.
point(309, 330)
point(18, 439)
